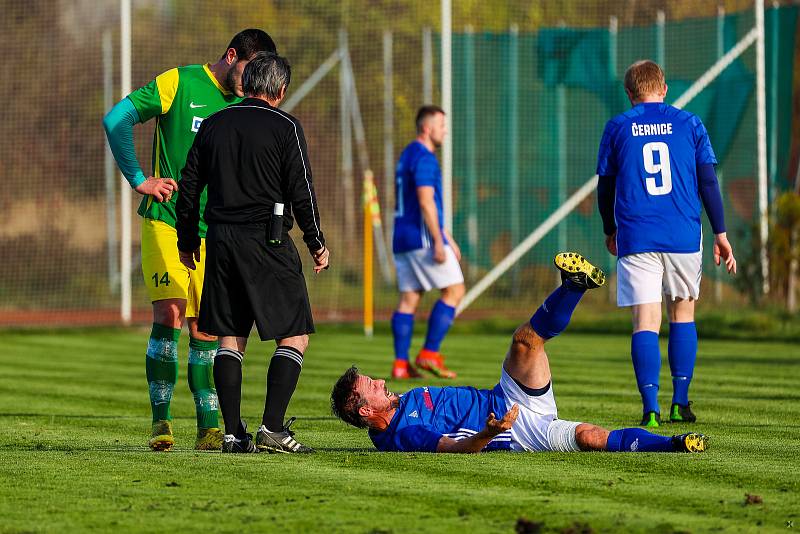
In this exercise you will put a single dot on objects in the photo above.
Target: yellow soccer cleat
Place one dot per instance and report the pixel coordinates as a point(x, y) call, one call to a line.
point(690, 442)
point(578, 270)
point(161, 438)
point(208, 439)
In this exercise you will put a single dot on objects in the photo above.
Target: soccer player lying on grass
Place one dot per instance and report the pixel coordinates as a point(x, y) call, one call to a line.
point(465, 419)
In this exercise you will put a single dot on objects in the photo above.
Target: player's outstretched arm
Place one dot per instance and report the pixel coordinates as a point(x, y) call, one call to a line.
point(480, 440)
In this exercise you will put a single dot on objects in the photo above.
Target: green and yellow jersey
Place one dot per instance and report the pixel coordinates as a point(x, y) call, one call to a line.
point(179, 99)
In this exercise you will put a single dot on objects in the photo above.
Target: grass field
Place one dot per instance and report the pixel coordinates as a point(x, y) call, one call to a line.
point(73, 457)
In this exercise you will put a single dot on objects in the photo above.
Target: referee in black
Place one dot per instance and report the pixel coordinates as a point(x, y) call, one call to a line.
point(253, 159)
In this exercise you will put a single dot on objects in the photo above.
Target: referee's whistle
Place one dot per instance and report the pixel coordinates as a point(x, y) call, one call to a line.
point(276, 225)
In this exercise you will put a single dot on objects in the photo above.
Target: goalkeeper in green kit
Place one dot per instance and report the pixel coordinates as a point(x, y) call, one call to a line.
point(179, 99)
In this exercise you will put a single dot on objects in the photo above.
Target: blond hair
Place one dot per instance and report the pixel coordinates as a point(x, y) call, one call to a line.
point(644, 78)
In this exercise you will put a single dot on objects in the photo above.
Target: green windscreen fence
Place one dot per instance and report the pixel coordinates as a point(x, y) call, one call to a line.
point(529, 109)
point(534, 82)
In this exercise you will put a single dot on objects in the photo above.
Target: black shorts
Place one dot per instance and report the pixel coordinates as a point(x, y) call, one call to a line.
point(248, 280)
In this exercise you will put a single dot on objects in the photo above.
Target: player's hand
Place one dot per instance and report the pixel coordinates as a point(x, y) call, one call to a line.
point(456, 249)
point(611, 243)
point(495, 427)
point(159, 188)
point(724, 251)
point(188, 258)
point(439, 255)
point(321, 258)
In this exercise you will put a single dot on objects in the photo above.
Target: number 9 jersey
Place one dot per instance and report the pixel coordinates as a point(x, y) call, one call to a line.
point(654, 151)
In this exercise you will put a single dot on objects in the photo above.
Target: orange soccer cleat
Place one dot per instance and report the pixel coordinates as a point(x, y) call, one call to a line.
point(433, 362)
point(403, 370)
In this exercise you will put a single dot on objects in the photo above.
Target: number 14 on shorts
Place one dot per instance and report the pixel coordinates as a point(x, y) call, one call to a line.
point(162, 280)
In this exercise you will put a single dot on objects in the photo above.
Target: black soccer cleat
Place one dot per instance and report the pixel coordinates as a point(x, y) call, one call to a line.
point(651, 420)
point(682, 414)
point(578, 270)
point(690, 442)
point(280, 442)
point(239, 445)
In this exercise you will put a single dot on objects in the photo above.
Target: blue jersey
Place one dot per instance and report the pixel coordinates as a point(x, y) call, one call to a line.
point(654, 150)
point(416, 167)
point(428, 413)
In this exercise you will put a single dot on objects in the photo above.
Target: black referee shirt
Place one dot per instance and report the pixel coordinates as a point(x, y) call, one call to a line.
point(250, 156)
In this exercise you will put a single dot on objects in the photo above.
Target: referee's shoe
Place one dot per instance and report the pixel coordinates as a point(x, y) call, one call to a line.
point(241, 445)
point(280, 442)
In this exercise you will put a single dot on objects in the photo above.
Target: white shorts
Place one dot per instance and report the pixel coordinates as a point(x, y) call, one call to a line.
point(537, 427)
point(417, 270)
point(642, 278)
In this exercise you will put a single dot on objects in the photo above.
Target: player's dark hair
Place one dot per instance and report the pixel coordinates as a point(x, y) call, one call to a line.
point(248, 43)
point(345, 402)
point(424, 112)
point(265, 75)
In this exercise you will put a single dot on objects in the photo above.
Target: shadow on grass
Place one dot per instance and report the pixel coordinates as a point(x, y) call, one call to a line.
point(360, 450)
point(137, 449)
point(300, 418)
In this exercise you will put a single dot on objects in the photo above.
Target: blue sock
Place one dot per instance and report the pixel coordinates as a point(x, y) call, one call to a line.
point(439, 323)
point(638, 440)
point(682, 355)
point(646, 364)
point(553, 316)
point(402, 330)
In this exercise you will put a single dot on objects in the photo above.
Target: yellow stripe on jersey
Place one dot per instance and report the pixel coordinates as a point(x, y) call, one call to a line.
point(213, 79)
point(167, 87)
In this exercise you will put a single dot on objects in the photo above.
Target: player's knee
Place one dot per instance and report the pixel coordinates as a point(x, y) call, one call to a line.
point(646, 317)
point(681, 310)
point(409, 300)
point(591, 437)
point(169, 312)
point(526, 338)
point(453, 294)
point(296, 342)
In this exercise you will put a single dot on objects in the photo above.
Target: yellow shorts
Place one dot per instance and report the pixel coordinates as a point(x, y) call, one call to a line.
point(164, 275)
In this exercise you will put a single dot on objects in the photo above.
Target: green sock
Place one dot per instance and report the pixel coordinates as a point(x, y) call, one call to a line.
point(201, 381)
point(162, 368)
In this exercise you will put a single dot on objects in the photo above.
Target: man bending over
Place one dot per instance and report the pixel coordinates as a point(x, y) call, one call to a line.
point(464, 419)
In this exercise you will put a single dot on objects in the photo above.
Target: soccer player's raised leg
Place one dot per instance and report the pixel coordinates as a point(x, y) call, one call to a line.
point(682, 356)
point(527, 361)
point(162, 368)
point(402, 333)
point(646, 356)
point(528, 365)
point(439, 322)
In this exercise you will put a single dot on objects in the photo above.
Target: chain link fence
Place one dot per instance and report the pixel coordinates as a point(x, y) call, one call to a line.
point(533, 84)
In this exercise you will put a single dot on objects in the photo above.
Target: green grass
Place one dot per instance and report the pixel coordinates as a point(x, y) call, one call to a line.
point(73, 455)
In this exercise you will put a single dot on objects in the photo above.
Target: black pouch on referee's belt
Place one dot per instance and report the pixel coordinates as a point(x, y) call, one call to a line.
point(275, 228)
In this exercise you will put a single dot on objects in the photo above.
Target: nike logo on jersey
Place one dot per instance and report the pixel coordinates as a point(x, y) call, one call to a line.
point(193, 105)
